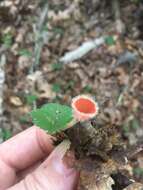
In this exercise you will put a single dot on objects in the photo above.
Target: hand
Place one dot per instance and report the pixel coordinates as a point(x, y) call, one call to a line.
point(21, 166)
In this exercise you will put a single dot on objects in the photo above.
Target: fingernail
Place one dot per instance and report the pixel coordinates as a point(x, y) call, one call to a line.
point(62, 161)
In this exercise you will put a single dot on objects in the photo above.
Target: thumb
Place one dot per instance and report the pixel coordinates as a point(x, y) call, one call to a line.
point(55, 173)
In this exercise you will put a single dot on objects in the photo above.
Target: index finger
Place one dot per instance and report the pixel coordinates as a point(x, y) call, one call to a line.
point(26, 148)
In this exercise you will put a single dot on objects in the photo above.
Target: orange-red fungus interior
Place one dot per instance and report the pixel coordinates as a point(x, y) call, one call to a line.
point(85, 106)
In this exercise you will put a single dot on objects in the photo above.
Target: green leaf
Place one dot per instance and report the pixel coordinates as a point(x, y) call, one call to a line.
point(25, 119)
point(57, 66)
point(138, 171)
point(69, 85)
point(87, 89)
point(56, 88)
point(135, 124)
point(110, 40)
point(31, 98)
point(5, 134)
point(136, 1)
point(58, 30)
point(7, 40)
point(25, 52)
point(52, 117)
point(126, 128)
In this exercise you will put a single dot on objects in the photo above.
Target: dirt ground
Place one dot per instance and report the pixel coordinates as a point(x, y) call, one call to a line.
point(112, 73)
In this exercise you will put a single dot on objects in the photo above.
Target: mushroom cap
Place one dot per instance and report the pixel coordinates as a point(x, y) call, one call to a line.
point(84, 107)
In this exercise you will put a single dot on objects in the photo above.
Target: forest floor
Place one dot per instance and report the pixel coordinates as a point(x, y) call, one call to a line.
point(32, 43)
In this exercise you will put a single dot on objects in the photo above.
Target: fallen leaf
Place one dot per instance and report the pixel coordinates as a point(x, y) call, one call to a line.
point(89, 181)
point(45, 89)
point(122, 76)
point(36, 80)
point(134, 186)
point(16, 101)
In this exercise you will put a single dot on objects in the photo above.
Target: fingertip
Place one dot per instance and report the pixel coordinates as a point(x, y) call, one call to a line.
point(22, 151)
point(26, 148)
point(45, 141)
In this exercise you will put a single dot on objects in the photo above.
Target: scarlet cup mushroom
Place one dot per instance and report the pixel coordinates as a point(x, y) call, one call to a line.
point(84, 107)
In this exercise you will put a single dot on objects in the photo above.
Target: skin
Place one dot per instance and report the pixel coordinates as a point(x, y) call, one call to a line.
point(29, 161)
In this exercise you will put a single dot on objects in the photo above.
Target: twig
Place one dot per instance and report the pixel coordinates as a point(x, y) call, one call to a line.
point(120, 27)
point(121, 96)
point(2, 80)
point(40, 36)
point(82, 50)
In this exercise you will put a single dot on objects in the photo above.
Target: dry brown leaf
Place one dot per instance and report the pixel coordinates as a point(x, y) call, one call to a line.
point(135, 104)
point(134, 186)
point(140, 161)
point(122, 76)
point(14, 48)
point(90, 181)
point(127, 167)
point(113, 115)
point(45, 89)
point(82, 76)
point(105, 184)
point(37, 81)
point(14, 100)
point(115, 49)
point(24, 62)
point(135, 83)
point(48, 93)
point(62, 15)
point(96, 178)
point(20, 35)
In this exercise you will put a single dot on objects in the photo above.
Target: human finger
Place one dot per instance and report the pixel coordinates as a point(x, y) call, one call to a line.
point(54, 174)
point(21, 151)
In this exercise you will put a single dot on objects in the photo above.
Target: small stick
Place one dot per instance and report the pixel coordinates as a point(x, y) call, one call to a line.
point(120, 27)
point(82, 50)
point(2, 80)
point(40, 37)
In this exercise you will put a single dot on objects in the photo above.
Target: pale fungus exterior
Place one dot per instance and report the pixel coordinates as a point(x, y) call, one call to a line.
point(84, 107)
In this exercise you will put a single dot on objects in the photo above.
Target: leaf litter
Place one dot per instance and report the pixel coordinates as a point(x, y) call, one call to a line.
point(113, 71)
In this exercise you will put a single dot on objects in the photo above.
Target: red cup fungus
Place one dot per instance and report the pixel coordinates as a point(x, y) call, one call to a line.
point(84, 107)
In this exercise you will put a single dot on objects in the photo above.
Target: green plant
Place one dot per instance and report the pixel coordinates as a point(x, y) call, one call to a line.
point(135, 124)
point(57, 66)
point(126, 128)
point(25, 119)
point(7, 40)
point(31, 98)
point(136, 1)
point(130, 125)
point(56, 88)
point(52, 117)
point(58, 30)
point(69, 85)
point(87, 89)
point(5, 134)
point(109, 40)
point(25, 52)
point(138, 172)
